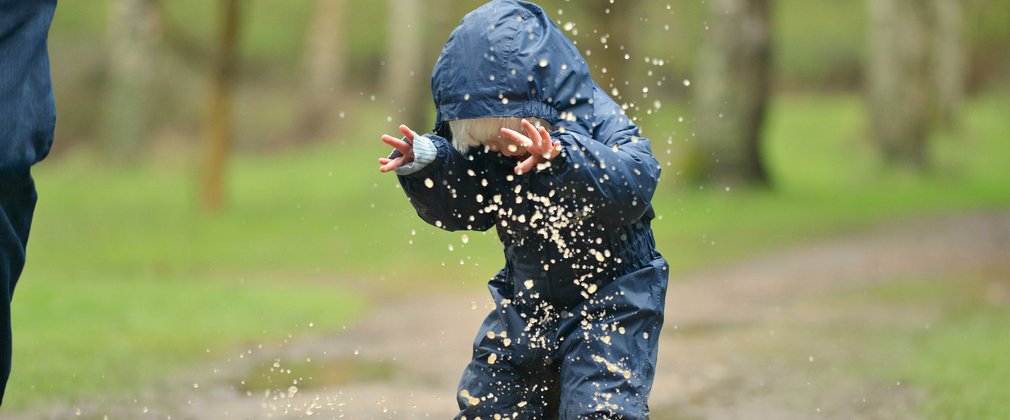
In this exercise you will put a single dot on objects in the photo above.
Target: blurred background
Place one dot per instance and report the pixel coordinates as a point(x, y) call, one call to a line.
point(212, 214)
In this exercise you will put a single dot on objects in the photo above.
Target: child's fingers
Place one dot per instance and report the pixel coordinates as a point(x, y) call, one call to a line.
point(407, 132)
point(545, 135)
point(391, 165)
point(397, 144)
point(526, 165)
point(384, 161)
point(517, 138)
point(556, 150)
point(534, 135)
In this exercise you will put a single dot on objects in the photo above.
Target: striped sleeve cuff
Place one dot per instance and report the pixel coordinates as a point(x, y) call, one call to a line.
point(424, 153)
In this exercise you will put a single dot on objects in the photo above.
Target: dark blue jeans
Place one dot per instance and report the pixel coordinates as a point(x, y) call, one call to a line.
point(27, 120)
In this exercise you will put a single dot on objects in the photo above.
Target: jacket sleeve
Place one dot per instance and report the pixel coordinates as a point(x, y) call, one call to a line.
point(447, 192)
point(615, 173)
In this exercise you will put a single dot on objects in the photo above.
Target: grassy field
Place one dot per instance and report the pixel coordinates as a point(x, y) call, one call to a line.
point(128, 282)
point(962, 363)
point(957, 359)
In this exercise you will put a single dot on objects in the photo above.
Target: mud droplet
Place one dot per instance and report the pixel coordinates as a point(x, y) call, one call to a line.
point(469, 399)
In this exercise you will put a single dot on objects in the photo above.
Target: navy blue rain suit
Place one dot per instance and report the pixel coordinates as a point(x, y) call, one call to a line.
point(27, 120)
point(579, 303)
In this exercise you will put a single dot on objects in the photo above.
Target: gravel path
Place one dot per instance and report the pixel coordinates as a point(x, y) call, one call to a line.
point(750, 340)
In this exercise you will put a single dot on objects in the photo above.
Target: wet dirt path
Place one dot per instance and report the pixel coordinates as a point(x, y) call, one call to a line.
point(751, 340)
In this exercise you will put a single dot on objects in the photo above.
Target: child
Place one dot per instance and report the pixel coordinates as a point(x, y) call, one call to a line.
point(526, 142)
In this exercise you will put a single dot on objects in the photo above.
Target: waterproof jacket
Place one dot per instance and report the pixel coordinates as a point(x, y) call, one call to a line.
point(569, 228)
point(27, 105)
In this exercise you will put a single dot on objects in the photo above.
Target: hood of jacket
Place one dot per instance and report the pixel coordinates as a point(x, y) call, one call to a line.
point(509, 59)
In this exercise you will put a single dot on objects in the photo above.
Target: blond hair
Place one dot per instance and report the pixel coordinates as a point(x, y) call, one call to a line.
point(474, 132)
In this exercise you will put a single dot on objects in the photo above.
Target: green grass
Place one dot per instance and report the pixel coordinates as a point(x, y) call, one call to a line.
point(962, 364)
point(960, 359)
point(128, 282)
point(828, 180)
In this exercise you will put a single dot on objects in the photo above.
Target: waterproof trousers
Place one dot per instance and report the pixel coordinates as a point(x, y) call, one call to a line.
point(593, 361)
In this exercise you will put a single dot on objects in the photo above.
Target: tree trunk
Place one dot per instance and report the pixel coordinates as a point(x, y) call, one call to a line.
point(218, 128)
point(132, 38)
point(403, 79)
point(613, 21)
point(324, 67)
point(732, 89)
point(899, 80)
point(948, 59)
point(438, 28)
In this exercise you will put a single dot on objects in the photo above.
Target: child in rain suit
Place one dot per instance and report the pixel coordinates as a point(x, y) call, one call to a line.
point(526, 142)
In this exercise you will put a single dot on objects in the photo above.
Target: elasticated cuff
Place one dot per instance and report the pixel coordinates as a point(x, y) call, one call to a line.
point(424, 153)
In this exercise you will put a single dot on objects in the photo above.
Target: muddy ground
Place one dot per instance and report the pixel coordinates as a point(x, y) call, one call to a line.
point(762, 338)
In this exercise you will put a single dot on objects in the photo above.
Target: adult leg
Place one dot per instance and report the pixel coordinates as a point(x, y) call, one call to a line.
point(17, 203)
point(27, 120)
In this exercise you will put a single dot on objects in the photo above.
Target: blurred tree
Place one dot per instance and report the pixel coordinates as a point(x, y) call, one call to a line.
point(732, 90)
point(437, 31)
point(988, 38)
point(898, 79)
point(133, 34)
point(404, 56)
point(948, 58)
point(324, 67)
point(613, 21)
point(218, 124)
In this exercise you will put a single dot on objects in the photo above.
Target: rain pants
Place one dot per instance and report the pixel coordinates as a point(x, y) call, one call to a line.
point(27, 120)
point(579, 303)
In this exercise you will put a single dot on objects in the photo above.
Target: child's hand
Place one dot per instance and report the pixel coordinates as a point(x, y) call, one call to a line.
point(406, 150)
point(538, 144)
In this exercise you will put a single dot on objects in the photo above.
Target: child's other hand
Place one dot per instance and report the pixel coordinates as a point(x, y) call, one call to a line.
point(406, 149)
point(538, 144)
